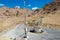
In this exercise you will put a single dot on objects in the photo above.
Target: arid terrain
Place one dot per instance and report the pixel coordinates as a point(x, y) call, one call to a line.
point(49, 15)
point(12, 22)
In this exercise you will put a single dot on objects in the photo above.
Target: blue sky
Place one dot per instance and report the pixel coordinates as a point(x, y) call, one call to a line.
point(31, 4)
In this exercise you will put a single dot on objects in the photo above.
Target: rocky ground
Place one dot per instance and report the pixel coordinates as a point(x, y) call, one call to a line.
point(47, 17)
point(18, 33)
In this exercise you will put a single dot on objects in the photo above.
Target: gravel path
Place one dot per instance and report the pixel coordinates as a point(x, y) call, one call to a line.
point(18, 32)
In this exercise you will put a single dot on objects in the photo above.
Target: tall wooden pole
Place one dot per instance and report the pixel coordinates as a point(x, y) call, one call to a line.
point(25, 29)
point(25, 11)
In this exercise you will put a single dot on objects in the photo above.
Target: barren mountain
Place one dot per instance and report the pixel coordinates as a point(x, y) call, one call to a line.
point(50, 14)
point(10, 17)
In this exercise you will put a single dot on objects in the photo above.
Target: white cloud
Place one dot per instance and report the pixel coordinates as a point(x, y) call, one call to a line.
point(17, 6)
point(34, 8)
point(29, 5)
point(1, 4)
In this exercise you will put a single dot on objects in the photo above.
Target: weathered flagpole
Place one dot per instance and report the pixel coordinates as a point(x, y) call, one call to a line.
point(25, 29)
point(24, 12)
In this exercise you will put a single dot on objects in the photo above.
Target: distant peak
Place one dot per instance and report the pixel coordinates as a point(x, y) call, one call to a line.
point(56, 0)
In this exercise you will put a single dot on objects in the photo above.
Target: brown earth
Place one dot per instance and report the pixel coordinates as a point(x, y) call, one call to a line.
point(10, 17)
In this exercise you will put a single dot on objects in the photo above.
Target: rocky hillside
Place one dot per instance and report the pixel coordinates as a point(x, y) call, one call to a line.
point(10, 17)
point(50, 14)
point(51, 7)
point(5, 11)
point(52, 10)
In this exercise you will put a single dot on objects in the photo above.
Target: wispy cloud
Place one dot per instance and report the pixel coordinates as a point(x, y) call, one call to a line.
point(2, 4)
point(29, 5)
point(17, 6)
point(34, 8)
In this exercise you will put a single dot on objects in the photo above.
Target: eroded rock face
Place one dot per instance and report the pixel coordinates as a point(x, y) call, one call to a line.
point(51, 7)
point(57, 0)
point(5, 11)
